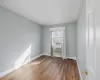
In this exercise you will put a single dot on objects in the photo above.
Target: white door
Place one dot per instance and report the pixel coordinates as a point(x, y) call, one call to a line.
point(91, 42)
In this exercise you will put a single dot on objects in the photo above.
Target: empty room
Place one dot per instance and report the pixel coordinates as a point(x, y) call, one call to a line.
point(49, 39)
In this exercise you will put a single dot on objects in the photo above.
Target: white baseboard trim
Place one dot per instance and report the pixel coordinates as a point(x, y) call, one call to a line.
point(39, 56)
point(79, 70)
point(13, 69)
point(74, 58)
point(6, 72)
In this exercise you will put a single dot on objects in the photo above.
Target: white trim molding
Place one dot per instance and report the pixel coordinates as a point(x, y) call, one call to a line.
point(54, 29)
point(6, 72)
point(13, 69)
point(79, 70)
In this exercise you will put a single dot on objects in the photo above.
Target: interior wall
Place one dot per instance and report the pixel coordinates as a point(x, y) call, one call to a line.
point(46, 40)
point(81, 38)
point(17, 34)
point(71, 38)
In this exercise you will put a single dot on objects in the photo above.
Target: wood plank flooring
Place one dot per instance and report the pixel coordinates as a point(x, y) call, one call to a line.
point(46, 68)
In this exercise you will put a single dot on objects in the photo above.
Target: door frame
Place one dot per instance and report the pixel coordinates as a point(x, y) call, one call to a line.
point(90, 30)
point(64, 56)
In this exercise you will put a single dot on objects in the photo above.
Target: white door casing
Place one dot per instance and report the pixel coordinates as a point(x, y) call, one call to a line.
point(64, 56)
point(90, 41)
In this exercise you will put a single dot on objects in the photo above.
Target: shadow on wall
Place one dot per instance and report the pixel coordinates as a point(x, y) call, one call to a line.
point(24, 58)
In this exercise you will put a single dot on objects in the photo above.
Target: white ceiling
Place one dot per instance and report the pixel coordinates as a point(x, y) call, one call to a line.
point(46, 12)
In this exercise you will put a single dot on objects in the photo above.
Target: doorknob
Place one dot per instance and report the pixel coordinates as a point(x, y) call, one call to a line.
point(85, 72)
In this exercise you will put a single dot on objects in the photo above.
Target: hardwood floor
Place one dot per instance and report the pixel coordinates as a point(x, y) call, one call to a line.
point(46, 68)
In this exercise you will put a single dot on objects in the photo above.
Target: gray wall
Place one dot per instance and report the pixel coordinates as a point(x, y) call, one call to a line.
point(46, 40)
point(81, 38)
point(16, 35)
point(71, 38)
